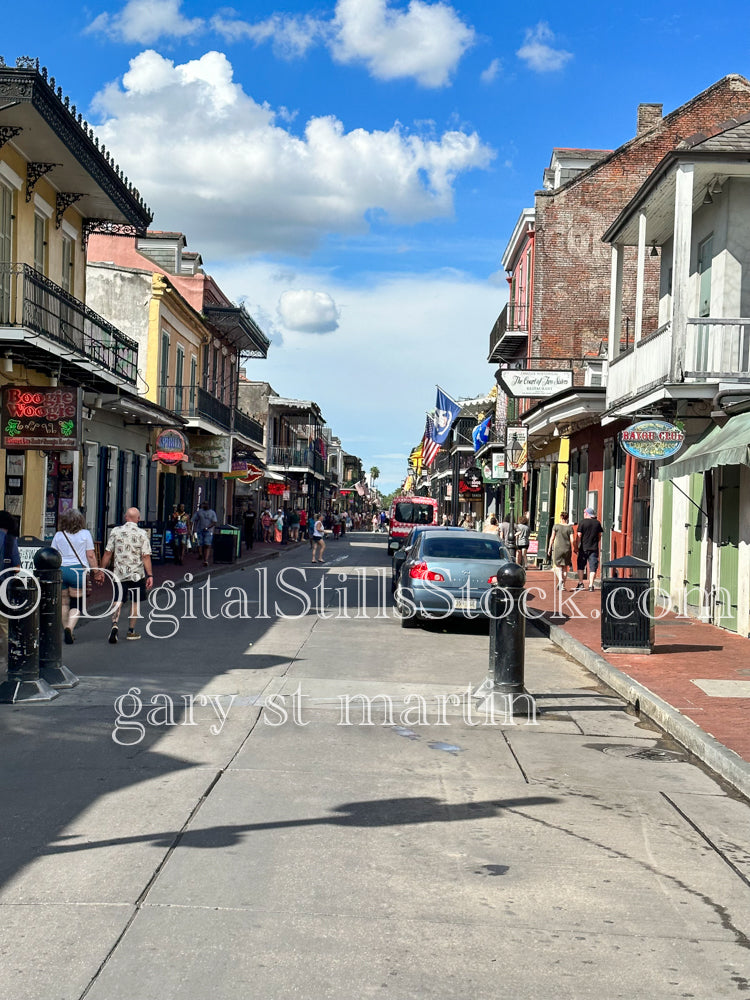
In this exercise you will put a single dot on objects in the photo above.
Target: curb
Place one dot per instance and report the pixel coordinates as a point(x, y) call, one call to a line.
point(719, 758)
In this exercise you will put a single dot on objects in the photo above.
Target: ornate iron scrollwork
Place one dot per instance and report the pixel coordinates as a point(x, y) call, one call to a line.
point(8, 132)
point(63, 200)
point(35, 171)
point(108, 228)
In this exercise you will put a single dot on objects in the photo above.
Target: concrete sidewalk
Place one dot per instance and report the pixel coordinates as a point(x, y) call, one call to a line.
point(695, 684)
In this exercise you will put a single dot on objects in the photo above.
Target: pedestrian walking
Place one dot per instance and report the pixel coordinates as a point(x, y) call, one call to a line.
point(248, 524)
point(522, 540)
point(10, 560)
point(589, 532)
point(503, 529)
point(336, 525)
point(278, 527)
point(266, 523)
point(445, 520)
point(560, 548)
point(129, 551)
point(293, 521)
point(204, 522)
point(375, 522)
point(318, 538)
point(76, 547)
point(303, 522)
point(490, 526)
point(179, 524)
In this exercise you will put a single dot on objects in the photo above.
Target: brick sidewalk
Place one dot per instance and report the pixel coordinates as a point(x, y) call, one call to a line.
point(685, 651)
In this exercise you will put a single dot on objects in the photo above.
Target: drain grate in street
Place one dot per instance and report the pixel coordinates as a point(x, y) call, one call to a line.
point(639, 753)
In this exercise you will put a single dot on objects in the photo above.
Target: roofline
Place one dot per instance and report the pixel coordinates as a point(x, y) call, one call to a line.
point(26, 84)
point(640, 138)
point(520, 230)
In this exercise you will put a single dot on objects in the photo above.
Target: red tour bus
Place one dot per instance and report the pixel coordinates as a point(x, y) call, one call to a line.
point(405, 513)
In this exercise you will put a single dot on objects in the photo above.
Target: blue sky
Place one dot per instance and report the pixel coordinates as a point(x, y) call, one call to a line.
point(352, 171)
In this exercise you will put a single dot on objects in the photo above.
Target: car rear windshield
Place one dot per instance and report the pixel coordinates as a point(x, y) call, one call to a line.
point(452, 547)
point(413, 513)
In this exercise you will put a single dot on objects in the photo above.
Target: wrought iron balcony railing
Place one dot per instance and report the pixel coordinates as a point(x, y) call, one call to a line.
point(295, 458)
point(31, 301)
point(193, 401)
point(247, 426)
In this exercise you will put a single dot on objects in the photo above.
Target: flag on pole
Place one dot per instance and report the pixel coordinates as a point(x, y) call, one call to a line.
point(415, 458)
point(481, 433)
point(430, 446)
point(446, 411)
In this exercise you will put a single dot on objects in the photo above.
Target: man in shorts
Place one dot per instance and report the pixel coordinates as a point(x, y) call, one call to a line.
point(204, 522)
point(589, 532)
point(129, 551)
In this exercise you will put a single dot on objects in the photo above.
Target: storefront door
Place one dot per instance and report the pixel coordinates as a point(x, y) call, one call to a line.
point(729, 541)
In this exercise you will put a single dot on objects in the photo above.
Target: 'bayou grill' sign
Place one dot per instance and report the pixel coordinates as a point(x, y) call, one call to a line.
point(38, 417)
point(650, 440)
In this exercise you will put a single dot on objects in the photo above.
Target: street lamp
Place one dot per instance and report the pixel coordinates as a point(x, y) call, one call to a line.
point(514, 450)
point(285, 529)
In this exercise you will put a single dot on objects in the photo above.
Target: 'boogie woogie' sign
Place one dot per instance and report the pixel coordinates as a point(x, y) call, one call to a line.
point(649, 440)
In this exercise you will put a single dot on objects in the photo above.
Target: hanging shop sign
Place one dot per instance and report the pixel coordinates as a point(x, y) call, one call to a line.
point(41, 418)
point(535, 384)
point(275, 489)
point(493, 469)
point(471, 481)
point(517, 449)
point(244, 459)
point(210, 453)
point(171, 447)
point(651, 440)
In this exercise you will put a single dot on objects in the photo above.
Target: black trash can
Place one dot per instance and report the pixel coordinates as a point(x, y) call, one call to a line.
point(225, 543)
point(628, 606)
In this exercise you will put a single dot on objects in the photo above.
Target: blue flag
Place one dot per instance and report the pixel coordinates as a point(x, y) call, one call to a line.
point(481, 433)
point(446, 411)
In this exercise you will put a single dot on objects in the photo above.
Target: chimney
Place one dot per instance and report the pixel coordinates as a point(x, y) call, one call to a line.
point(649, 116)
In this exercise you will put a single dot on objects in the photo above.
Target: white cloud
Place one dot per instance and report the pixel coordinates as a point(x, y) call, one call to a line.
point(290, 36)
point(308, 312)
point(537, 51)
point(145, 21)
point(490, 74)
point(218, 166)
point(422, 328)
point(425, 42)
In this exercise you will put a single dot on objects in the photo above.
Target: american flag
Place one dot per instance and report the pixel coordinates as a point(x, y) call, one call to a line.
point(430, 447)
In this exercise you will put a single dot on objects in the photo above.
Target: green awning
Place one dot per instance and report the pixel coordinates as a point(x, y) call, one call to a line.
point(727, 445)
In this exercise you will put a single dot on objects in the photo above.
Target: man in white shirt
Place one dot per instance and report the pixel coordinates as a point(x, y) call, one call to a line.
point(129, 549)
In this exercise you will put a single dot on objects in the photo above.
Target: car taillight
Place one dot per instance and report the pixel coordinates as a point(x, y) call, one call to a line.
point(419, 571)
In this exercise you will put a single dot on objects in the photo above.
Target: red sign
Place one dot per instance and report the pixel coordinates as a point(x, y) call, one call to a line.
point(171, 447)
point(275, 489)
point(41, 417)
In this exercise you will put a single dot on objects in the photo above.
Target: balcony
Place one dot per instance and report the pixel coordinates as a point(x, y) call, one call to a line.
point(31, 302)
point(247, 426)
point(300, 459)
point(195, 403)
point(509, 334)
point(716, 350)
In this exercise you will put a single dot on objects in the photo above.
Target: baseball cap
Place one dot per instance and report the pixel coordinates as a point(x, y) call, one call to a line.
point(590, 511)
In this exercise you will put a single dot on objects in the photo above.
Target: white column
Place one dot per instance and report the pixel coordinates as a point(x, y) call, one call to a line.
point(639, 275)
point(683, 226)
point(615, 303)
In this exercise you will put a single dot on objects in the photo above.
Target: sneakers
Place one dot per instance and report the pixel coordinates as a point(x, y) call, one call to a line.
point(113, 635)
point(68, 637)
point(133, 634)
point(591, 588)
point(579, 586)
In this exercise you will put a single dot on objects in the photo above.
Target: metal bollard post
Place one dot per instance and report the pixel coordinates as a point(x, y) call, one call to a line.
point(24, 683)
point(47, 564)
point(508, 631)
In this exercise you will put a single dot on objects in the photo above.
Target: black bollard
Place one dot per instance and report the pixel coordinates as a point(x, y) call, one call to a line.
point(508, 631)
point(24, 683)
point(47, 564)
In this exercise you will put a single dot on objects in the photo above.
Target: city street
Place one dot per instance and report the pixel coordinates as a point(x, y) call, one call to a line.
point(209, 815)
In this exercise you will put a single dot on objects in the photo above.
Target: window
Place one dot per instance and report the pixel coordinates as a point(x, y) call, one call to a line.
point(193, 384)
point(66, 279)
point(705, 259)
point(595, 373)
point(40, 243)
point(6, 221)
point(215, 375)
point(178, 377)
point(414, 513)
point(164, 369)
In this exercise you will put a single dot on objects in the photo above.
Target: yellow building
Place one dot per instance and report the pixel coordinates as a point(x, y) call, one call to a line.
point(58, 358)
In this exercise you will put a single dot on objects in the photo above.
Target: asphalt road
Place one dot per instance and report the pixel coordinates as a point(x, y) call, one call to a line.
point(227, 830)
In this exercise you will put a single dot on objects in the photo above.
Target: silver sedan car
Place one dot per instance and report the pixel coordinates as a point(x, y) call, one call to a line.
point(447, 574)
